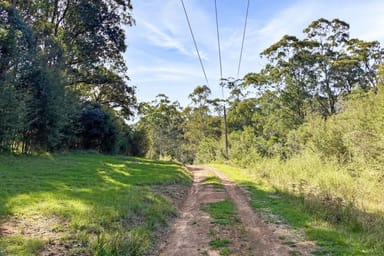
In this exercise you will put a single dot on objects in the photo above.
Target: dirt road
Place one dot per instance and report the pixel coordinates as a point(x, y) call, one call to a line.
point(193, 229)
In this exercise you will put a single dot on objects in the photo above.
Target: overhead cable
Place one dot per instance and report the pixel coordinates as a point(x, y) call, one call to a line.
point(219, 49)
point(218, 41)
point(242, 42)
point(194, 42)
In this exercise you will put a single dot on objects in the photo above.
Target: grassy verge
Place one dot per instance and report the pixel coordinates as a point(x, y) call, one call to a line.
point(223, 215)
point(90, 203)
point(223, 212)
point(323, 220)
point(213, 181)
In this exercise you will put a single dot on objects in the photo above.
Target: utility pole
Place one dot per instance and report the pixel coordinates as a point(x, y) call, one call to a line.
point(222, 84)
point(226, 134)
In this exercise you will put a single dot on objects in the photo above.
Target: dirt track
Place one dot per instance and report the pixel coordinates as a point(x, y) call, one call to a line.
point(192, 231)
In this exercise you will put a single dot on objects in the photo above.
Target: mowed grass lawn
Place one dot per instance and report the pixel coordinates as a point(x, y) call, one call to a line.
point(83, 204)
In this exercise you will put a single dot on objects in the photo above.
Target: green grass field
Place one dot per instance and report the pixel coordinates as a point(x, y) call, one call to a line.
point(319, 221)
point(91, 203)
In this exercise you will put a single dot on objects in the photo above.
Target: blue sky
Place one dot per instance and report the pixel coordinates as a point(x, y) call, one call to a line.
point(161, 57)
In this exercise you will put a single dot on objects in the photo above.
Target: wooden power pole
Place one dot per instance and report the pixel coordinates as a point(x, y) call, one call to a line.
point(226, 134)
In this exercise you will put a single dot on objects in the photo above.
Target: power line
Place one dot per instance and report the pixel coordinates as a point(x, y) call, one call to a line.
point(194, 42)
point(219, 48)
point(242, 43)
point(218, 40)
point(222, 85)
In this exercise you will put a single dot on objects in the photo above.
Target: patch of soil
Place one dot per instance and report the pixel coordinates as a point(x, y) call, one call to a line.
point(49, 229)
point(175, 193)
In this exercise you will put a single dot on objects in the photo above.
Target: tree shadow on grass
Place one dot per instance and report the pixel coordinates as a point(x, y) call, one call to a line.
point(95, 200)
point(94, 180)
point(340, 229)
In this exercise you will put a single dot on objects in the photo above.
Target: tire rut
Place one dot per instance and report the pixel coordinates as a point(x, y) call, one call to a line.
point(190, 233)
point(264, 243)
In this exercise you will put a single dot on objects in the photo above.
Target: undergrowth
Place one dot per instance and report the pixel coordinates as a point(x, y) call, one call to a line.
point(325, 203)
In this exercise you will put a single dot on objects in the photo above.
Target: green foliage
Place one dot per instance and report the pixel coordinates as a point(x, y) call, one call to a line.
point(241, 114)
point(102, 202)
point(186, 135)
point(98, 129)
point(200, 128)
point(16, 54)
point(225, 251)
point(54, 56)
point(208, 151)
point(245, 147)
point(20, 246)
point(12, 114)
point(161, 124)
point(312, 73)
point(46, 110)
point(218, 243)
point(199, 124)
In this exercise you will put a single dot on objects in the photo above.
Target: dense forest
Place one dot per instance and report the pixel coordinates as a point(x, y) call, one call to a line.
point(63, 80)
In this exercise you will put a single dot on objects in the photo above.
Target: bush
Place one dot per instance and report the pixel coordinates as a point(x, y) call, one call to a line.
point(245, 147)
point(99, 129)
point(208, 151)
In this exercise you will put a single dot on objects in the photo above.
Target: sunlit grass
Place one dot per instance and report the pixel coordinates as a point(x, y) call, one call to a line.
point(223, 212)
point(19, 246)
point(104, 200)
point(213, 181)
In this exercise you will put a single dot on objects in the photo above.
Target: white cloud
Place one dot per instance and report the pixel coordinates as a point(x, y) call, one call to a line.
point(162, 39)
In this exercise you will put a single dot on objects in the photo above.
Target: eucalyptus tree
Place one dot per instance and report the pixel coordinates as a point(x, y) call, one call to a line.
point(291, 73)
point(198, 114)
point(162, 123)
point(368, 56)
point(311, 73)
point(331, 38)
point(199, 123)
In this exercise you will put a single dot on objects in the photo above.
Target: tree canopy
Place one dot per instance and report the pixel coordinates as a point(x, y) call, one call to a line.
point(56, 56)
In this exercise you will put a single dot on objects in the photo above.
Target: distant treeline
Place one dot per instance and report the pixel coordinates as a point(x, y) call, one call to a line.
point(63, 82)
point(269, 112)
